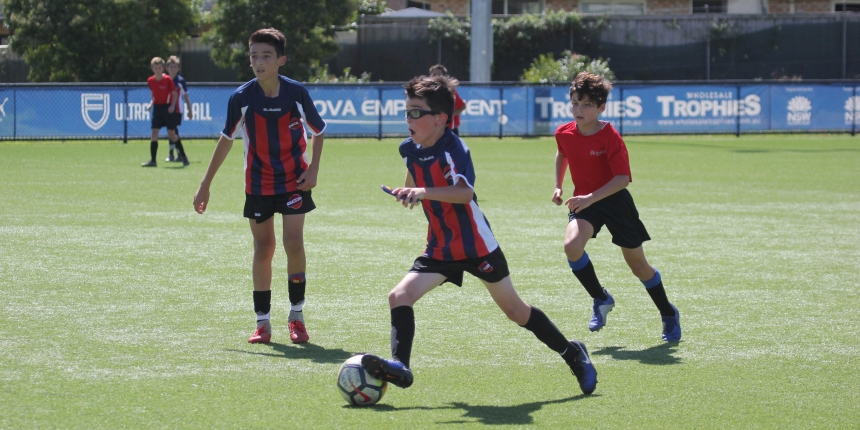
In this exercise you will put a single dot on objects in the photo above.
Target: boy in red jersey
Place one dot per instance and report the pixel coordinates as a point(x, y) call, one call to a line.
point(272, 112)
point(600, 170)
point(459, 103)
point(161, 106)
point(440, 177)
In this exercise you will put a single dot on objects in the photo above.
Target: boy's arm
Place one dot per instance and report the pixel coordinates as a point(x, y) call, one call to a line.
point(616, 184)
point(308, 179)
point(173, 96)
point(560, 169)
point(188, 106)
point(460, 193)
point(201, 197)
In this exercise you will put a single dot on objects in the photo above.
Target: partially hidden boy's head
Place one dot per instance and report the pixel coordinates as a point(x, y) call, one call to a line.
point(438, 70)
point(173, 65)
point(436, 91)
point(157, 66)
point(270, 36)
point(590, 85)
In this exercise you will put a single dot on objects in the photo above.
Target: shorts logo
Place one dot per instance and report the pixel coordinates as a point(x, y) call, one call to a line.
point(295, 125)
point(294, 202)
point(257, 214)
point(95, 102)
point(485, 267)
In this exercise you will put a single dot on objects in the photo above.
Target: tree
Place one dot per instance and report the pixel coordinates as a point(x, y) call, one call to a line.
point(95, 40)
point(308, 25)
point(545, 69)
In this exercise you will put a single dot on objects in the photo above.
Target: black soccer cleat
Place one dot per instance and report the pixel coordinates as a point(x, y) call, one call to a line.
point(150, 163)
point(185, 161)
point(391, 371)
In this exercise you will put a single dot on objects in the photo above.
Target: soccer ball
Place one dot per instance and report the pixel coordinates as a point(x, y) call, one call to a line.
point(358, 387)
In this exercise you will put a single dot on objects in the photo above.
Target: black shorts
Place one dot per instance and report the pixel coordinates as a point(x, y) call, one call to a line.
point(491, 268)
point(175, 119)
point(160, 117)
point(261, 208)
point(619, 214)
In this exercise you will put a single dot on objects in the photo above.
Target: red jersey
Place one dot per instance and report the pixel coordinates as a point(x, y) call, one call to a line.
point(593, 160)
point(458, 103)
point(161, 89)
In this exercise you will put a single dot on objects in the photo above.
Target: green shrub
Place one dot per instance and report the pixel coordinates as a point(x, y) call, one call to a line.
point(547, 69)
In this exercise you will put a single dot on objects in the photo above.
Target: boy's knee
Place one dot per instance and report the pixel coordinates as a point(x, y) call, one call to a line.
point(573, 250)
point(519, 314)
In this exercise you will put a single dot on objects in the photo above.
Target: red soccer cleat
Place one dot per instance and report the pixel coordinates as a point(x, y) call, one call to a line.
point(298, 333)
point(263, 334)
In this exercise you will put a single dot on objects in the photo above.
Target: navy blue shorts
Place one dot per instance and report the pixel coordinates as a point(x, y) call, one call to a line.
point(619, 214)
point(261, 208)
point(491, 268)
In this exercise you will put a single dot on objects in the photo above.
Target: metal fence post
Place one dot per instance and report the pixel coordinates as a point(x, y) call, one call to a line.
point(708, 55)
point(621, 111)
point(501, 111)
point(379, 106)
point(738, 113)
point(856, 109)
point(15, 112)
point(125, 115)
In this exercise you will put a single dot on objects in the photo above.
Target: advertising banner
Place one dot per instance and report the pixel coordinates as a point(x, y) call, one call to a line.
point(122, 112)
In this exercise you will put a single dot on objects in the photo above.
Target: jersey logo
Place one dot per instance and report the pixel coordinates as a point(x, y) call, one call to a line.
point(271, 109)
point(485, 267)
point(447, 172)
point(295, 124)
point(294, 202)
point(427, 158)
point(597, 153)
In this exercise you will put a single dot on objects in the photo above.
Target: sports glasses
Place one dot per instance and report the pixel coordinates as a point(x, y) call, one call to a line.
point(418, 113)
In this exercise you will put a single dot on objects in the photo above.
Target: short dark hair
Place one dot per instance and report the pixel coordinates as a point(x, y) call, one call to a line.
point(272, 37)
point(439, 67)
point(594, 86)
point(437, 91)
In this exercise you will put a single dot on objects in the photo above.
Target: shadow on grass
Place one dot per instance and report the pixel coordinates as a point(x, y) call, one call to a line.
point(306, 351)
point(659, 355)
point(484, 414)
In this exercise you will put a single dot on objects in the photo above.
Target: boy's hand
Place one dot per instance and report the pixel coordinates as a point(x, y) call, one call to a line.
point(190, 112)
point(578, 203)
point(556, 196)
point(171, 108)
point(201, 199)
point(409, 197)
point(307, 180)
point(149, 107)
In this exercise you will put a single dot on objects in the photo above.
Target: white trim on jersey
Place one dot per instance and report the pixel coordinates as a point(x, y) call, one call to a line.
point(483, 228)
point(305, 121)
point(454, 169)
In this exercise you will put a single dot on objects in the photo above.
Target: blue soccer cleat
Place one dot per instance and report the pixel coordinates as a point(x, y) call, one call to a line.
point(583, 369)
point(601, 308)
point(391, 371)
point(672, 327)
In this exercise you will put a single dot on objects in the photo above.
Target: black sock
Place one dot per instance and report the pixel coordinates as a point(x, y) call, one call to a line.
point(402, 333)
point(654, 287)
point(180, 148)
point(588, 278)
point(296, 287)
point(546, 331)
point(262, 302)
point(153, 148)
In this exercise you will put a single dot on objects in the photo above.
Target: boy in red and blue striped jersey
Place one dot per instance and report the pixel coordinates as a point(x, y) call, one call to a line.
point(272, 112)
point(441, 177)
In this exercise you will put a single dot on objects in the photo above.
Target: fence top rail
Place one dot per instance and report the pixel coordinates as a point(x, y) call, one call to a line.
point(395, 85)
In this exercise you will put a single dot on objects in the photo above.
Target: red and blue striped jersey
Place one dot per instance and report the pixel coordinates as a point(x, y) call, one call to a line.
point(274, 134)
point(455, 231)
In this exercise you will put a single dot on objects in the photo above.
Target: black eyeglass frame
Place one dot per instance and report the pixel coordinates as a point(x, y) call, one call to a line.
point(421, 112)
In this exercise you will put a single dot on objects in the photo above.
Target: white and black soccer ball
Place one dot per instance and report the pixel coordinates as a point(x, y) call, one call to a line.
point(358, 387)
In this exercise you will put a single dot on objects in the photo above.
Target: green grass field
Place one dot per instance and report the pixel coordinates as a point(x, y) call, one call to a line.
point(120, 307)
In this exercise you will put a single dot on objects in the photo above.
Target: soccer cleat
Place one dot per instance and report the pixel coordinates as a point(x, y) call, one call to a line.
point(150, 163)
point(184, 160)
point(583, 369)
point(601, 308)
point(672, 327)
point(171, 158)
point(391, 371)
point(263, 334)
point(298, 333)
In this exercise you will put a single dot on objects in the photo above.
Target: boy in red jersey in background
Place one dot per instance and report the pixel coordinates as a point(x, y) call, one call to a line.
point(459, 104)
point(272, 112)
point(600, 170)
point(163, 94)
point(440, 177)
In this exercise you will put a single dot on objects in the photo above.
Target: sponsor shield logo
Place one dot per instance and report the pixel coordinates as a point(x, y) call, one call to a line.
point(294, 202)
point(295, 124)
point(95, 103)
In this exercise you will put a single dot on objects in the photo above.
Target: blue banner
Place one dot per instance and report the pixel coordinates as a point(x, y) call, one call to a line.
point(122, 112)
